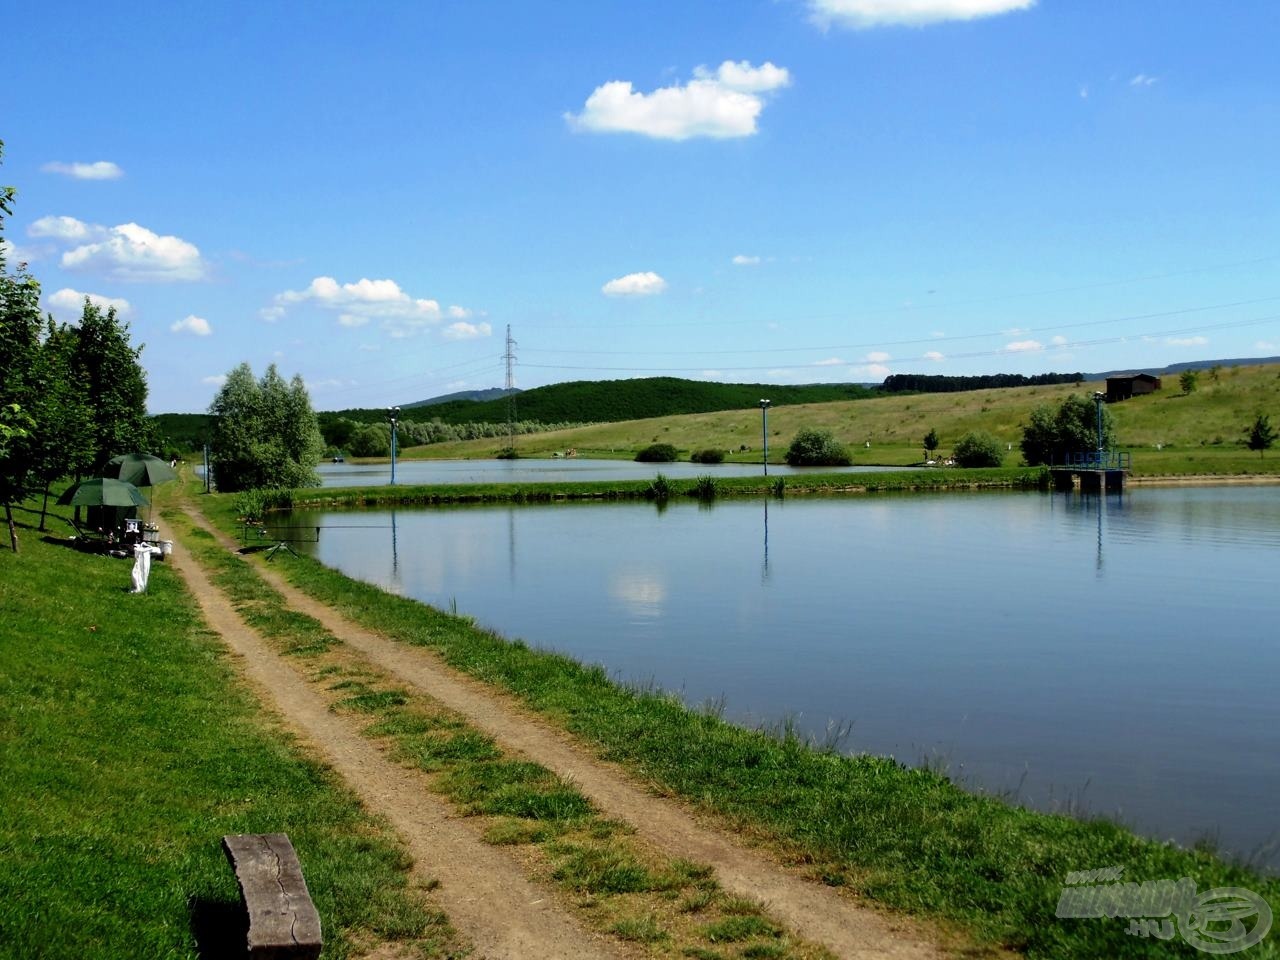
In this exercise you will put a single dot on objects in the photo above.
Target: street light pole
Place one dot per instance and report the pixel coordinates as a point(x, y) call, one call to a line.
point(393, 414)
point(764, 432)
point(1098, 398)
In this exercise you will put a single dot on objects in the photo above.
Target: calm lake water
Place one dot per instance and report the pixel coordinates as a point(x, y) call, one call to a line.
point(1114, 654)
point(410, 472)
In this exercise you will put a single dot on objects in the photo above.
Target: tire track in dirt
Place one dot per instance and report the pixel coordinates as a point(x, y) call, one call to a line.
point(486, 895)
point(810, 909)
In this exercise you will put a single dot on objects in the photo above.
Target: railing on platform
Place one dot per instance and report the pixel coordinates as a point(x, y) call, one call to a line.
point(1098, 460)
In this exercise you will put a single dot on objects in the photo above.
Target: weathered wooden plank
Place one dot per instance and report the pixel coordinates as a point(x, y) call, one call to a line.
point(283, 922)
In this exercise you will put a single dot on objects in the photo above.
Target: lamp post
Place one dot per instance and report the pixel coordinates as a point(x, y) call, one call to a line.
point(764, 432)
point(1098, 398)
point(393, 414)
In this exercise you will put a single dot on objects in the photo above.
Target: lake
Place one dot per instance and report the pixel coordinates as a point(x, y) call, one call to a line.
point(1116, 655)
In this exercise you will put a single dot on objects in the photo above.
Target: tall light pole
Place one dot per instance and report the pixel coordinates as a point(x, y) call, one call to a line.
point(1098, 398)
point(764, 432)
point(393, 414)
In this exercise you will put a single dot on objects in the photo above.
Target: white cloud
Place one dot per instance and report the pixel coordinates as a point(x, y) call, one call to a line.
point(1142, 80)
point(935, 356)
point(829, 362)
point(1014, 331)
point(876, 371)
point(635, 285)
point(1023, 346)
point(864, 14)
point(217, 380)
point(742, 260)
point(192, 324)
point(1084, 91)
point(99, 170)
point(129, 252)
point(14, 254)
point(1266, 345)
point(711, 374)
point(720, 104)
point(877, 356)
point(67, 228)
point(68, 305)
point(1187, 341)
point(466, 331)
point(1059, 341)
point(357, 304)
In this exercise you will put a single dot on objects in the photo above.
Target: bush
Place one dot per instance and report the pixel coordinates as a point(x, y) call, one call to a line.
point(657, 453)
point(1054, 434)
point(978, 449)
point(707, 456)
point(817, 448)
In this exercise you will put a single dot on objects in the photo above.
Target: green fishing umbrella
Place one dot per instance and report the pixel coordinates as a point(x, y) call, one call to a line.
point(103, 492)
point(140, 469)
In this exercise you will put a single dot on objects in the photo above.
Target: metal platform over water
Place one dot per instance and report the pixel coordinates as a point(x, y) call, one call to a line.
point(1094, 471)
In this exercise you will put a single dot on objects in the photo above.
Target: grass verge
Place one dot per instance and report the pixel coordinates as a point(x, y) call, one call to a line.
point(128, 748)
point(906, 837)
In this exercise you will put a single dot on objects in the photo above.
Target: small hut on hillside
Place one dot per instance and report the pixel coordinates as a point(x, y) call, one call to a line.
point(1130, 385)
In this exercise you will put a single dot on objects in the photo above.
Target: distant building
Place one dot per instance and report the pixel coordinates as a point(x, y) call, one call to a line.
point(1129, 385)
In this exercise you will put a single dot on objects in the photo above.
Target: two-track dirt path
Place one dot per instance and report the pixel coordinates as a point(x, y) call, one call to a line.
point(810, 909)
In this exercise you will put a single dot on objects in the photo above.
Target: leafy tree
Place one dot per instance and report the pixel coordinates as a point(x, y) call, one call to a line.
point(931, 440)
point(113, 386)
point(264, 432)
point(817, 448)
point(66, 435)
point(1261, 435)
point(19, 347)
point(373, 440)
point(978, 449)
point(1188, 380)
point(657, 453)
point(1071, 428)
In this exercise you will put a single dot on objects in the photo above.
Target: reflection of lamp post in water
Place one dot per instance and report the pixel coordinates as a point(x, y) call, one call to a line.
point(764, 571)
point(764, 432)
point(393, 414)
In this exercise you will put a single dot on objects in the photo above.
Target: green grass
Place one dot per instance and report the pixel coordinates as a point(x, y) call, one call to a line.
point(906, 837)
point(127, 750)
point(1208, 425)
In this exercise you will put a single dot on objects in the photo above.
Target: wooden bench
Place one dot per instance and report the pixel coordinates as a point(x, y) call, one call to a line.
point(283, 922)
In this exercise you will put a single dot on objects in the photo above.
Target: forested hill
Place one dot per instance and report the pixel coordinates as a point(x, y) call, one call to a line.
point(601, 401)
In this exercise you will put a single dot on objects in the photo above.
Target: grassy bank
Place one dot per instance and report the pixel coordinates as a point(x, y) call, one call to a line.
point(1166, 431)
point(128, 748)
point(907, 838)
point(815, 483)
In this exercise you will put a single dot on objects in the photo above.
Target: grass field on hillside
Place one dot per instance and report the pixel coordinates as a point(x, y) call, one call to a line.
point(1199, 433)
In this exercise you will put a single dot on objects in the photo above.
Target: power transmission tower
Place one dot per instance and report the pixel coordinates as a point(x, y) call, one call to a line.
point(510, 358)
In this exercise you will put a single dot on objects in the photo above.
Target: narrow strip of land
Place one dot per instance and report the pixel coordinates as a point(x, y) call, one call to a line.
point(486, 896)
point(813, 911)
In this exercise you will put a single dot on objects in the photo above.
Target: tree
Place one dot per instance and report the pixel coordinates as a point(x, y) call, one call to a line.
point(373, 440)
point(817, 448)
point(264, 432)
point(978, 449)
point(1072, 428)
point(1261, 435)
point(1188, 380)
point(66, 436)
point(931, 441)
point(113, 386)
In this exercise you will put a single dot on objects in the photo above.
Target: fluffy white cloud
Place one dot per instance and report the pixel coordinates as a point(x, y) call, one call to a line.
point(1266, 345)
point(1187, 341)
point(67, 304)
point(935, 356)
point(877, 371)
point(1142, 80)
point(358, 304)
point(67, 228)
point(217, 380)
point(829, 362)
point(466, 331)
point(635, 285)
point(1059, 341)
point(863, 14)
point(742, 260)
point(722, 103)
point(14, 254)
point(100, 170)
point(127, 251)
point(1023, 346)
point(192, 324)
point(876, 356)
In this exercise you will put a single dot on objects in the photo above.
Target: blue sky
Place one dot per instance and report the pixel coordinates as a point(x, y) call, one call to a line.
point(779, 191)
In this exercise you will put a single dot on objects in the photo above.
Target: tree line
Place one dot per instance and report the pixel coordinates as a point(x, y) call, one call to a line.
point(71, 395)
point(938, 383)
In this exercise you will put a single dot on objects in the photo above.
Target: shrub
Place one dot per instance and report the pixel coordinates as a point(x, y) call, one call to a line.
point(817, 448)
point(1053, 434)
point(657, 453)
point(705, 488)
point(659, 489)
point(707, 456)
point(978, 449)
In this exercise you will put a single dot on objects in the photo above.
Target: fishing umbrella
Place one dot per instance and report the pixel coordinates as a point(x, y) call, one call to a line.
point(140, 469)
point(103, 492)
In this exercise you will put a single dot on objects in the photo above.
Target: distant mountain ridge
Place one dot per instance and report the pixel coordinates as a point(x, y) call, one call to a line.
point(1186, 365)
point(476, 396)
